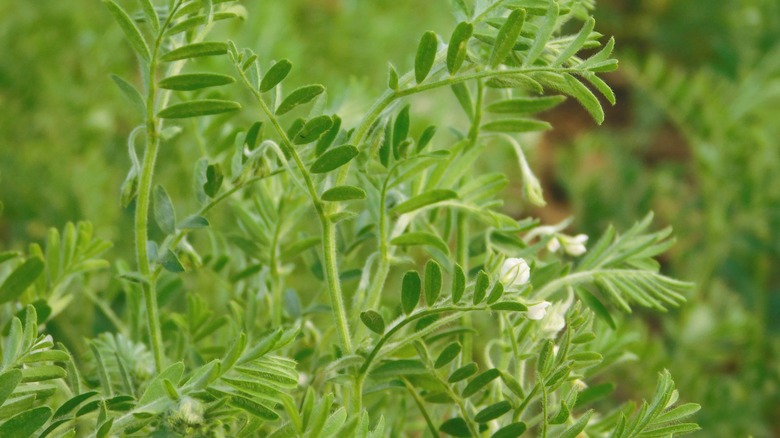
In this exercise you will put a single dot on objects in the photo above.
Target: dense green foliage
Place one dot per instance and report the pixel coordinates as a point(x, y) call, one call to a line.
point(360, 259)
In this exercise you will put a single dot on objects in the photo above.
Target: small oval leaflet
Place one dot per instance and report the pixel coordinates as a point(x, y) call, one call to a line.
point(20, 279)
point(456, 51)
point(195, 50)
point(421, 238)
point(334, 158)
point(299, 96)
point(195, 81)
point(373, 320)
point(495, 293)
point(463, 372)
point(493, 411)
point(275, 75)
point(516, 125)
point(424, 199)
point(425, 138)
point(327, 139)
point(513, 430)
point(512, 306)
point(130, 30)
point(25, 423)
point(458, 284)
point(447, 355)
point(410, 291)
point(432, 281)
point(480, 382)
point(197, 108)
point(525, 105)
point(480, 287)
point(164, 213)
point(343, 193)
point(455, 427)
point(426, 55)
point(313, 129)
point(507, 36)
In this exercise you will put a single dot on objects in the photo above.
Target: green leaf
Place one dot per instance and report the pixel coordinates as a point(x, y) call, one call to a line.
point(334, 423)
point(458, 284)
point(394, 368)
point(170, 261)
point(421, 238)
point(512, 306)
point(73, 402)
point(8, 255)
point(543, 34)
point(493, 411)
point(480, 287)
point(195, 50)
point(456, 51)
point(576, 44)
point(195, 108)
point(130, 30)
point(480, 382)
point(132, 94)
point(155, 390)
point(195, 81)
point(164, 213)
point(455, 427)
point(299, 96)
point(334, 158)
point(343, 193)
point(426, 54)
point(8, 382)
point(253, 408)
point(525, 105)
point(401, 127)
point(313, 129)
point(425, 138)
point(432, 282)
point(374, 321)
point(424, 200)
point(214, 178)
point(515, 80)
point(392, 78)
point(327, 139)
point(194, 222)
point(507, 37)
point(447, 355)
point(513, 430)
point(275, 75)
point(596, 306)
point(496, 293)
point(516, 125)
point(586, 98)
point(463, 372)
point(410, 291)
point(24, 424)
point(150, 15)
point(575, 429)
point(463, 96)
point(20, 279)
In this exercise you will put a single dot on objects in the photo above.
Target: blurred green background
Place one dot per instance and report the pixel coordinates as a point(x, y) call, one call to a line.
point(695, 137)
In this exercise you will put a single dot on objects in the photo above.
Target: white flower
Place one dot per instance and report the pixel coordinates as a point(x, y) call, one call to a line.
point(554, 244)
point(515, 272)
point(537, 311)
point(575, 245)
point(554, 320)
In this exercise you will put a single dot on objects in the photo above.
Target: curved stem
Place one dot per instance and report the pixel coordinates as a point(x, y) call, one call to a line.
point(411, 318)
point(421, 406)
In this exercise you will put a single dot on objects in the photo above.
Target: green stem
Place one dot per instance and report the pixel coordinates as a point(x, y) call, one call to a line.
point(421, 406)
point(328, 228)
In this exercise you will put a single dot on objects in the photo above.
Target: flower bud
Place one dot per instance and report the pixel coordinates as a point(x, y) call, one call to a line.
point(537, 311)
point(515, 272)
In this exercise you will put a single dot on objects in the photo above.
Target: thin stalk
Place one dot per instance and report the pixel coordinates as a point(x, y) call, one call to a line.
point(421, 406)
point(142, 205)
point(328, 228)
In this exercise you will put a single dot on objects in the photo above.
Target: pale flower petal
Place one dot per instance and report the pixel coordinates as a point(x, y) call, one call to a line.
point(537, 311)
point(554, 245)
point(515, 272)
